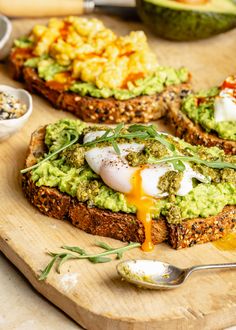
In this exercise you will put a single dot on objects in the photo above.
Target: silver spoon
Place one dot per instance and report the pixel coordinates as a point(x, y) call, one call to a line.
point(159, 275)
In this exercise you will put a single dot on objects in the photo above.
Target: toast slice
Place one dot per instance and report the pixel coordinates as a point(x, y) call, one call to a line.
point(140, 109)
point(51, 202)
point(193, 133)
point(119, 225)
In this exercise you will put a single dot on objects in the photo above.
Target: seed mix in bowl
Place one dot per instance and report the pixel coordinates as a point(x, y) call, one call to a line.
point(10, 107)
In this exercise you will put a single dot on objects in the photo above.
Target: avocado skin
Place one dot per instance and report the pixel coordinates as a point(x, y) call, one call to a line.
point(183, 25)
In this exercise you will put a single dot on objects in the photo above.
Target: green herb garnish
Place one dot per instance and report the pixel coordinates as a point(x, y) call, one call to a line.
point(79, 253)
point(153, 134)
point(213, 164)
point(70, 141)
point(141, 132)
point(144, 132)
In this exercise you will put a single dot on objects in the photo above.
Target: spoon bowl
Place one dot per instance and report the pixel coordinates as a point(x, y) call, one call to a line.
point(153, 274)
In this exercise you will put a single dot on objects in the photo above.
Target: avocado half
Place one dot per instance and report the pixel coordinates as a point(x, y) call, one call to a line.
point(176, 20)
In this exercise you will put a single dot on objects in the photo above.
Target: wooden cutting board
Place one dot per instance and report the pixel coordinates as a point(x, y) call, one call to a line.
point(93, 295)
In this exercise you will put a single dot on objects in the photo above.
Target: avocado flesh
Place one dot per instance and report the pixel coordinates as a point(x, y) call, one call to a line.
point(177, 21)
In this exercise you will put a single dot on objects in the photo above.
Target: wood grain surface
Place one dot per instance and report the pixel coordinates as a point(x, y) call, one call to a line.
point(93, 295)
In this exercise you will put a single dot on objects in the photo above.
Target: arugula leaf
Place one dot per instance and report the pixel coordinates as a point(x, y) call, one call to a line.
point(116, 147)
point(97, 260)
point(178, 165)
point(118, 128)
point(49, 156)
point(149, 132)
point(212, 164)
point(109, 248)
point(82, 254)
point(47, 269)
point(103, 245)
point(64, 257)
point(74, 249)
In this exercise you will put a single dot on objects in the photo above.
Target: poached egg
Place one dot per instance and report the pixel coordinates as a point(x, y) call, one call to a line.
point(138, 184)
point(225, 103)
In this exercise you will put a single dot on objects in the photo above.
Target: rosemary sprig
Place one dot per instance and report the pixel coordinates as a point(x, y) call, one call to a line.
point(49, 156)
point(78, 253)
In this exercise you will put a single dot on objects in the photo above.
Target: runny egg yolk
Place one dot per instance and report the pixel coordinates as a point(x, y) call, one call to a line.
point(144, 205)
point(227, 243)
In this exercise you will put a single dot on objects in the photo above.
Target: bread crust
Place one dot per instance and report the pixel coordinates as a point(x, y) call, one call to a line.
point(119, 225)
point(140, 109)
point(53, 203)
point(201, 230)
point(193, 133)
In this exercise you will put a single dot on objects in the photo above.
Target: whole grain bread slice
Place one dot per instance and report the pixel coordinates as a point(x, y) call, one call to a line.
point(118, 225)
point(52, 202)
point(140, 109)
point(193, 133)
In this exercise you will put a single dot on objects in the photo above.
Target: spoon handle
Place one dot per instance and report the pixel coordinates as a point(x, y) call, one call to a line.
point(212, 266)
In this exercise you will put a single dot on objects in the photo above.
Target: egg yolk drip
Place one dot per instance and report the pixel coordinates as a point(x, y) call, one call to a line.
point(227, 243)
point(144, 205)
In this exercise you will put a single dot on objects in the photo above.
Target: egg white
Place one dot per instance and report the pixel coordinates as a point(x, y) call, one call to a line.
point(225, 106)
point(116, 173)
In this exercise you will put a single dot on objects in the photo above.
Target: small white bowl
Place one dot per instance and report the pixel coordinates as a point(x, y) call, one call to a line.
point(5, 34)
point(11, 126)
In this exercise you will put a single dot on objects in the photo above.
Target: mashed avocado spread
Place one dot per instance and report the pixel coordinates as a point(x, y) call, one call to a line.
point(200, 109)
point(70, 173)
point(155, 83)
